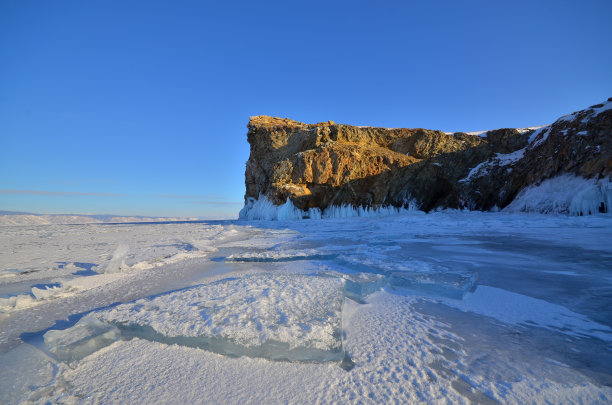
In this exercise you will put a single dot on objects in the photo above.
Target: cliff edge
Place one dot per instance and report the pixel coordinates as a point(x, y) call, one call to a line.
point(318, 166)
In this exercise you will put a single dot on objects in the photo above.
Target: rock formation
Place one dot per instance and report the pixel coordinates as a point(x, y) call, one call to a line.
point(329, 164)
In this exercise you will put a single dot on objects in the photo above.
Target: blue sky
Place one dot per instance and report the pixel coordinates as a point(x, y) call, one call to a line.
point(140, 107)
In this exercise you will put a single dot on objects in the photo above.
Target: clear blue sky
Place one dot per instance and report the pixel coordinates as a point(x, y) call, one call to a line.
point(140, 107)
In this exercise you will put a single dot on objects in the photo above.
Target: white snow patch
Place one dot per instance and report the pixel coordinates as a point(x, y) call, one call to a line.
point(539, 136)
point(480, 169)
point(67, 288)
point(607, 105)
point(482, 134)
point(567, 117)
point(523, 130)
point(500, 159)
point(504, 159)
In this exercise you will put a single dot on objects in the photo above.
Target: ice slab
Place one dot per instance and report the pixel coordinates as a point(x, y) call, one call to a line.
point(447, 284)
point(84, 338)
point(290, 317)
point(357, 286)
point(415, 275)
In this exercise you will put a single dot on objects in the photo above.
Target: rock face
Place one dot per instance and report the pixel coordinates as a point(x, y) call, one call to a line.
point(329, 164)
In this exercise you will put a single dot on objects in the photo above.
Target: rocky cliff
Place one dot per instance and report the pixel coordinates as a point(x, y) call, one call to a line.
point(328, 164)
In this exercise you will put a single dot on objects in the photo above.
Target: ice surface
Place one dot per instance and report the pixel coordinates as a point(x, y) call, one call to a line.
point(280, 317)
point(513, 308)
point(565, 194)
point(84, 338)
point(22, 370)
point(535, 326)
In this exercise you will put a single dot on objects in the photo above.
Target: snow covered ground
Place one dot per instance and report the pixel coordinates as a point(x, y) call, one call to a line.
point(448, 307)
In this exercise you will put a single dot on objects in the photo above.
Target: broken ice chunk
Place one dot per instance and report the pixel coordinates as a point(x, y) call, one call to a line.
point(415, 275)
point(276, 316)
point(447, 284)
point(359, 285)
point(363, 284)
point(84, 338)
point(280, 256)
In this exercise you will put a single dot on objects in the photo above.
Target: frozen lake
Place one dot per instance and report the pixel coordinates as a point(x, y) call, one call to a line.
point(457, 307)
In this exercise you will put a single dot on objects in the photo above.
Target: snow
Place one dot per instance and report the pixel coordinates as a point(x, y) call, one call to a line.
point(448, 307)
point(284, 316)
point(505, 159)
point(564, 194)
point(607, 105)
point(483, 134)
point(500, 159)
point(523, 130)
point(539, 136)
point(477, 171)
point(590, 112)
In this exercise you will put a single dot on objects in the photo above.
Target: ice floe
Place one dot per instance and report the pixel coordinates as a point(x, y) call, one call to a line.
point(279, 317)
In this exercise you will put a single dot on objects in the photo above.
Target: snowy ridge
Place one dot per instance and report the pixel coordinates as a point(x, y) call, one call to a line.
point(483, 134)
point(592, 111)
point(564, 194)
point(264, 209)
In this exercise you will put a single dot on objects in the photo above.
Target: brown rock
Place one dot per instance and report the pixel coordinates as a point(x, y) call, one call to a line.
point(318, 165)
